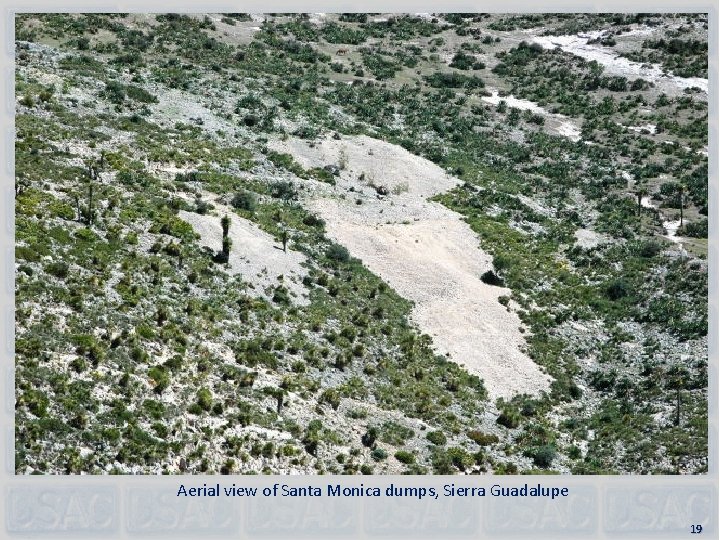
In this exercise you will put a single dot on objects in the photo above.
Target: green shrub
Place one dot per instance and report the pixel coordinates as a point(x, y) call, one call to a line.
point(379, 66)
point(465, 61)
point(58, 269)
point(155, 409)
point(617, 289)
point(244, 200)
point(139, 94)
point(161, 377)
point(204, 399)
point(509, 417)
point(483, 439)
point(37, 402)
point(544, 456)
point(394, 433)
point(370, 436)
point(648, 248)
point(491, 278)
point(283, 190)
point(460, 458)
point(436, 437)
point(268, 450)
point(312, 220)
point(332, 397)
point(407, 458)
point(338, 253)
point(454, 80)
point(442, 463)
point(194, 408)
point(695, 229)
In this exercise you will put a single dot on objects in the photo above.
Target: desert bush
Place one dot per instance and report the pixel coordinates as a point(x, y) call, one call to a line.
point(464, 61)
point(204, 399)
point(454, 80)
point(509, 416)
point(483, 439)
point(59, 269)
point(460, 458)
point(491, 278)
point(114, 92)
point(695, 229)
point(544, 456)
point(394, 433)
point(139, 94)
point(311, 220)
point(338, 253)
point(161, 377)
point(407, 458)
point(617, 289)
point(284, 190)
point(370, 436)
point(244, 200)
point(332, 397)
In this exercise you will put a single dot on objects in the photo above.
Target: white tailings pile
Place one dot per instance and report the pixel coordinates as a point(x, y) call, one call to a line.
point(254, 254)
point(425, 251)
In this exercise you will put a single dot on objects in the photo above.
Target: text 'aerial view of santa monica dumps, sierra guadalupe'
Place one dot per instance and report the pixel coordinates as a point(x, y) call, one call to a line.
point(361, 243)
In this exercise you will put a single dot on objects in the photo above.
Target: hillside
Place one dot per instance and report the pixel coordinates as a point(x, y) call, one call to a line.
point(361, 244)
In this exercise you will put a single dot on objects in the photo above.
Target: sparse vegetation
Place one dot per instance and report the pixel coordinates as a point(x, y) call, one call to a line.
point(137, 345)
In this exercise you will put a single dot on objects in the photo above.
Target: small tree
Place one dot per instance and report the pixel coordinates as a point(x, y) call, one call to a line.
point(277, 393)
point(677, 379)
point(640, 193)
point(436, 437)
point(338, 253)
point(93, 174)
point(204, 400)
point(370, 436)
point(509, 416)
point(90, 212)
point(226, 245)
point(284, 190)
point(312, 436)
point(681, 190)
point(224, 255)
point(405, 457)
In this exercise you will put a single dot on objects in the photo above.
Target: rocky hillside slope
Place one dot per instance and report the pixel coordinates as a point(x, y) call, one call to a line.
point(361, 244)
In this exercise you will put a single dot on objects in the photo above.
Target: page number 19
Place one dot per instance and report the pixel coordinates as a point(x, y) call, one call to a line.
point(695, 529)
